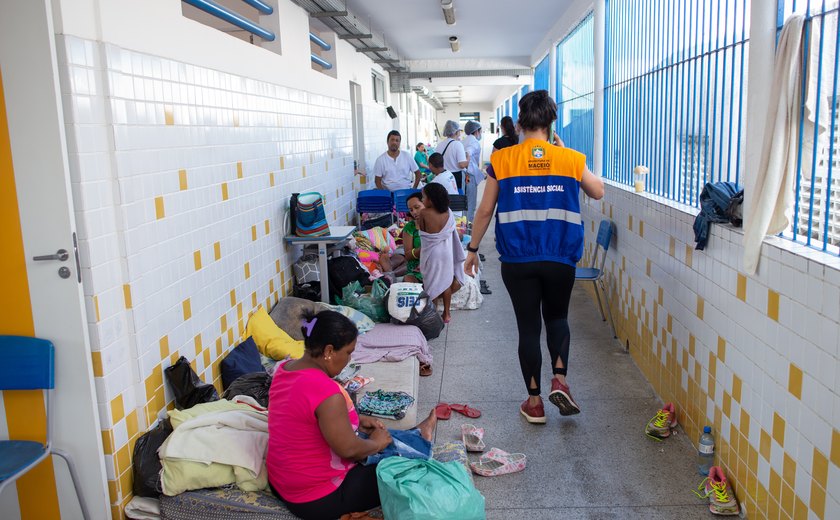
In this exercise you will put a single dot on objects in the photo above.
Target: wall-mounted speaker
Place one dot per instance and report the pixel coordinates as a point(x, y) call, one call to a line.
point(391, 112)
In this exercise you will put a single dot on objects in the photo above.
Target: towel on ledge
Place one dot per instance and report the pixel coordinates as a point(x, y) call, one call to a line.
point(442, 259)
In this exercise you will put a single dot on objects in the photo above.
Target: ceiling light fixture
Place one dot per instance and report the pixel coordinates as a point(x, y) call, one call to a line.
point(454, 43)
point(448, 11)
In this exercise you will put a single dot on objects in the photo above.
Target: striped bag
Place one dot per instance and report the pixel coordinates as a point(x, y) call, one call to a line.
point(310, 217)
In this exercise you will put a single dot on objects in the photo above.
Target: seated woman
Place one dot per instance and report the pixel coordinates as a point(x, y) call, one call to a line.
point(442, 263)
point(411, 239)
point(313, 446)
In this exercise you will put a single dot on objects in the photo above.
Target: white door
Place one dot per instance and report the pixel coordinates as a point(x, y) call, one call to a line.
point(43, 298)
point(358, 125)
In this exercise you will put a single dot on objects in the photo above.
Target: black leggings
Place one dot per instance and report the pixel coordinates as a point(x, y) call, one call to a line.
point(536, 286)
point(359, 492)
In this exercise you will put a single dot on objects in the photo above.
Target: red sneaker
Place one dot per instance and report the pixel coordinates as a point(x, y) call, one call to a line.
point(562, 398)
point(533, 414)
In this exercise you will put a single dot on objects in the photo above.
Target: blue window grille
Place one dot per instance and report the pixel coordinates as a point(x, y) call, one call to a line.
point(674, 97)
point(514, 106)
point(816, 210)
point(576, 89)
point(524, 90)
point(507, 107)
point(541, 74)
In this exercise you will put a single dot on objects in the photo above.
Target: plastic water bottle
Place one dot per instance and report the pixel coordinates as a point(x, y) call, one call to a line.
point(705, 451)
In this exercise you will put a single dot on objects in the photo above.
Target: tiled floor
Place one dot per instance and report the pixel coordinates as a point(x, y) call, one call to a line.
point(598, 464)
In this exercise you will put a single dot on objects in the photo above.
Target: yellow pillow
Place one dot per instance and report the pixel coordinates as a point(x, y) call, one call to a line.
point(270, 339)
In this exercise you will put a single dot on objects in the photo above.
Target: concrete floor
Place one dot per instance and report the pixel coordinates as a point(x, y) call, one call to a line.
point(598, 464)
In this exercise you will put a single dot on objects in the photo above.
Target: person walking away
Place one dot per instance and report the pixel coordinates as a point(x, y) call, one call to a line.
point(442, 176)
point(472, 147)
point(539, 237)
point(452, 149)
point(443, 256)
point(509, 136)
point(395, 169)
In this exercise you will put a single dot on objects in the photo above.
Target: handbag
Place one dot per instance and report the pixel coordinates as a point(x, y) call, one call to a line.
point(425, 317)
point(310, 217)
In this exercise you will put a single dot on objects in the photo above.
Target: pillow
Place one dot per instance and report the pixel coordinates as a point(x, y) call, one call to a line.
point(363, 323)
point(270, 339)
point(289, 311)
point(243, 359)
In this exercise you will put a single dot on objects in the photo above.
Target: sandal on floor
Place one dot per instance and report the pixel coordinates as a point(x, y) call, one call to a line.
point(463, 409)
point(425, 369)
point(497, 462)
point(443, 411)
point(473, 437)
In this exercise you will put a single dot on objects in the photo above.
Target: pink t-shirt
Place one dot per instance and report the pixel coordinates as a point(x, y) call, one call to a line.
point(301, 465)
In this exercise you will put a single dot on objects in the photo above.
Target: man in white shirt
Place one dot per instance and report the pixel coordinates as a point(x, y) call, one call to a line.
point(395, 169)
point(474, 173)
point(454, 157)
point(442, 176)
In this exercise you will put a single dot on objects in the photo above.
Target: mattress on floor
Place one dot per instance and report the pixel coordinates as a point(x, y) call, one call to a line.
point(235, 504)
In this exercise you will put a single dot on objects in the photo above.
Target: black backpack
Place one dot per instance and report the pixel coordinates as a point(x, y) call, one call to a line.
point(344, 270)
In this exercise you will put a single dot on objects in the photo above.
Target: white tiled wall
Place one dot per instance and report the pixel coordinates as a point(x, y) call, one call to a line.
point(756, 357)
point(181, 176)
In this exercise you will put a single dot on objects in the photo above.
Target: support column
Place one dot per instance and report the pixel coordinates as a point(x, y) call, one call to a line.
point(600, 62)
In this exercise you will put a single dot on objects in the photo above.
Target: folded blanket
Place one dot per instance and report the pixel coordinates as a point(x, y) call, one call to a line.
point(388, 342)
point(442, 259)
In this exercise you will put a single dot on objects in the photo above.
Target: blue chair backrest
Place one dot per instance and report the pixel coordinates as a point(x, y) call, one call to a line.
point(401, 198)
point(375, 193)
point(26, 363)
point(605, 231)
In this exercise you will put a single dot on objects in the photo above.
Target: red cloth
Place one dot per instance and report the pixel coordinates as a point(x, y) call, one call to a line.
point(301, 466)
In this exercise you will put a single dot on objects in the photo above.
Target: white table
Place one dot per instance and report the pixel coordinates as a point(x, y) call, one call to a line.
point(338, 234)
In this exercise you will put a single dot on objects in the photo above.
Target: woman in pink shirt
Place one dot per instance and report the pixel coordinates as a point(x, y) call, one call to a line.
point(313, 444)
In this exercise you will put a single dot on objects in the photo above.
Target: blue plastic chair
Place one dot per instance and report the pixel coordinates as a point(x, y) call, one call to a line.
point(401, 199)
point(29, 364)
point(596, 274)
point(458, 203)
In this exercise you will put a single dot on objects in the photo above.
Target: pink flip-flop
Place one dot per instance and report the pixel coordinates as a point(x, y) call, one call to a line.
point(473, 437)
point(497, 462)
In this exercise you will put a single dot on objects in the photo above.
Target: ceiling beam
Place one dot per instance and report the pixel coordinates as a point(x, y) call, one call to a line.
point(372, 49)
point(469, 73)
point(355, 36)
point(329, 14)
point(389, 60)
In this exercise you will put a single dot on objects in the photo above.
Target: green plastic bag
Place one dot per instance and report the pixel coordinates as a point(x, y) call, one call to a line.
point(373, 305)
point(418, 489)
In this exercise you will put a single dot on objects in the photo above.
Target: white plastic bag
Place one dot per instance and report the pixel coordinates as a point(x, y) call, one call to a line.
point(402, 298)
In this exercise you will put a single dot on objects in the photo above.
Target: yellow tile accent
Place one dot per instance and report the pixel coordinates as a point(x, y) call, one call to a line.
point(744, 425)
point(742, 287)
point(127, 295)
point(197, 343)
point(773, 304)
point(154, 381)
point(223, 323)
point(112, 491)
point(670, 324)
point(168, 115)
point(817, 499)
point(282, 163)
point(224, 191)
point(230, 336)
point(233, 297)
point(789, 470)
point(630, 222)
point(672, 247)
point(727, 405)
point(173, 358)
point(795, 381)
point(700, 307)
point(277, 266)
point(712, 367)
point(117, 409)
point(661, 295)
point(96, 307)
point(217, 250)
point(164, 347)
point(254, 299)
point(819, 470)
point(271, 178)
point(125, 484)
point(122, 460)
point(187, 309)
point(267, 226)
point(736, 388)
point(241, 328)
point(107, 442)
point(303, 170)
point(253, 233)
point(239, 311)
point(218, 346)
point(271, 285)
point(689, 256)
point(197, 260)
point(835, 448)
point(96, 358)
point(647, 267)
point(207, 358)
point(247, 270)
point(721, 349)
point(159, 211)
point(239, 170)
point(779, 429)
point(182, 179)
point(131, 423)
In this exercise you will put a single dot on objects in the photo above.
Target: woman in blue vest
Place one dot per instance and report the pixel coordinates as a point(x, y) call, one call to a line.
point(539, 236)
